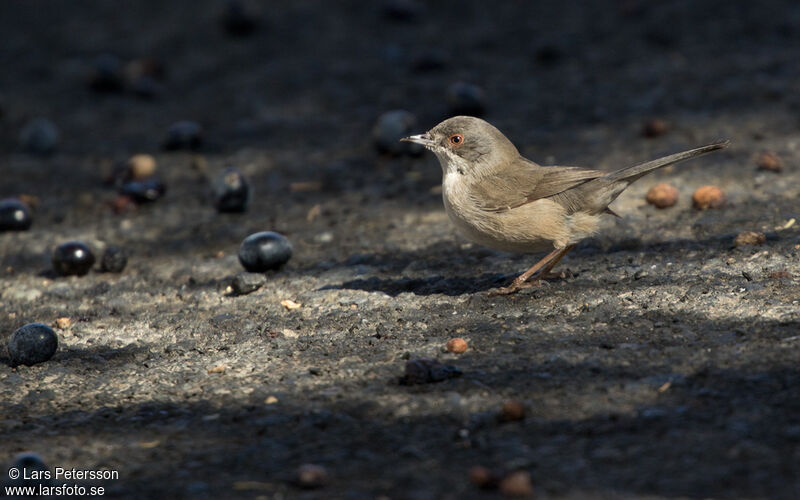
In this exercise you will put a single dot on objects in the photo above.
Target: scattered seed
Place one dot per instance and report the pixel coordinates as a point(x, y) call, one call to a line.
point(708, 197)
point(517, 484)
point(457, 345)
point(291, 305)
point(662, 196)
point(769, 161)
point(512, 411)
point(63, 323)
point(311, 476)
point(655, 127)
point(749, 238)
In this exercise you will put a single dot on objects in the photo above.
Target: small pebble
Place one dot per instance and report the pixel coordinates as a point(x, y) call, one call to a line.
point(231, 191)
point(655, 128)
point(184, 135)
point(769, 161)
point(311, 476)
point(31, 344)
point(780, 275)
point(122, 204)
point(749, 238)
point(263, 251)
point(427, 370)
point(141, 166)
point(14, 215)
point(466, 99)
point(72, 258)
point(39, 136)
point(114, 259)
point(239, 18)
point(517, 484)
point(457, 345)
point(106, 74)
point(144, 191)
point(708, 197)
point(244, 283)
point(393, 126)
point(662, 196)
point(512, 411)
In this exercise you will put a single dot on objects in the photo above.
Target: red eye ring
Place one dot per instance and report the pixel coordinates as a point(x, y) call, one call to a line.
point(456, 139)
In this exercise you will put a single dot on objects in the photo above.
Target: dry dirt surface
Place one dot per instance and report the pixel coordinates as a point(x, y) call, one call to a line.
point(666, 364)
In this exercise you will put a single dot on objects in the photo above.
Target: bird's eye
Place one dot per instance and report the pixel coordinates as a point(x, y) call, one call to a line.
point(456, 139)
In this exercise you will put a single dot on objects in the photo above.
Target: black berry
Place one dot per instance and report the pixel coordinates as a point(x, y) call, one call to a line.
point(14, 215)
point(114, 259)
point(73, 257)
point(263, 251)
point(231, 191)
point(144, 191)
point(31, 344)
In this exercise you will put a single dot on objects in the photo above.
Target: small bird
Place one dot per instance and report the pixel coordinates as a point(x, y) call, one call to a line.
point(499, 199)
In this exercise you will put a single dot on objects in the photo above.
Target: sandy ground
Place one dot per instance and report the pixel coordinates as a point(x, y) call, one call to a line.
point(666, 366)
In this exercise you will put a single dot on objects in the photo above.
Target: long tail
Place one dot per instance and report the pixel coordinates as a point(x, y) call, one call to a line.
point(630, 174)
point(595, 196)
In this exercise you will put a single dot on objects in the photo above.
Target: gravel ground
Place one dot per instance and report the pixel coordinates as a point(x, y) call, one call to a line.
point(665, 365)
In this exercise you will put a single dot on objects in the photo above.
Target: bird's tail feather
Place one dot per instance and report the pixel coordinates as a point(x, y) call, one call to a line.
point(630, 174)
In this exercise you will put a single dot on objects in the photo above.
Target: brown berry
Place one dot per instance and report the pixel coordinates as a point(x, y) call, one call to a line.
point(311, 476)
point(749, 238)
point(63, 323)
point(708, 197)
point(517, 484)
point(512, 410)
point(481, 476)
point(769, 161)
point(655, 127)
point(662, 196)
point(457, 345)
point(141, 166)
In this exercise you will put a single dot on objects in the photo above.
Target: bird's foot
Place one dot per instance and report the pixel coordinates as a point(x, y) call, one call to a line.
point(516, 286)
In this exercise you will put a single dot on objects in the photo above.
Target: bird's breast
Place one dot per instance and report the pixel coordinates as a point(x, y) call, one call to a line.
point(529, 228)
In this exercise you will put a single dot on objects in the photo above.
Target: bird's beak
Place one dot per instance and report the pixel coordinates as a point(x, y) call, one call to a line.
point(424, 139)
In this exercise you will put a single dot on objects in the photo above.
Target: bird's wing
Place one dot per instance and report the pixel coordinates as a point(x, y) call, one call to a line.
point(526, 182)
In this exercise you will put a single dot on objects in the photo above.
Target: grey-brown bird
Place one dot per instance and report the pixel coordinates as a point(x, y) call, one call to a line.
point(499, 199)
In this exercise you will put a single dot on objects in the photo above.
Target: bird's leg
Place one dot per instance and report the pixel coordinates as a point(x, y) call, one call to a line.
point(522, 280)
point(545, 273)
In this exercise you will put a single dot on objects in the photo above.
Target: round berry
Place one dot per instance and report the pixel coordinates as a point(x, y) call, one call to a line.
point(114, 259)
point(144, 191)
point(31, 344)
point(231, 191)
point(14, 215)
point(263, 251)
point(73, 257)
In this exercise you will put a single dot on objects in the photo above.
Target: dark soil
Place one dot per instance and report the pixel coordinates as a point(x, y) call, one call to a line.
point(666, 365)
